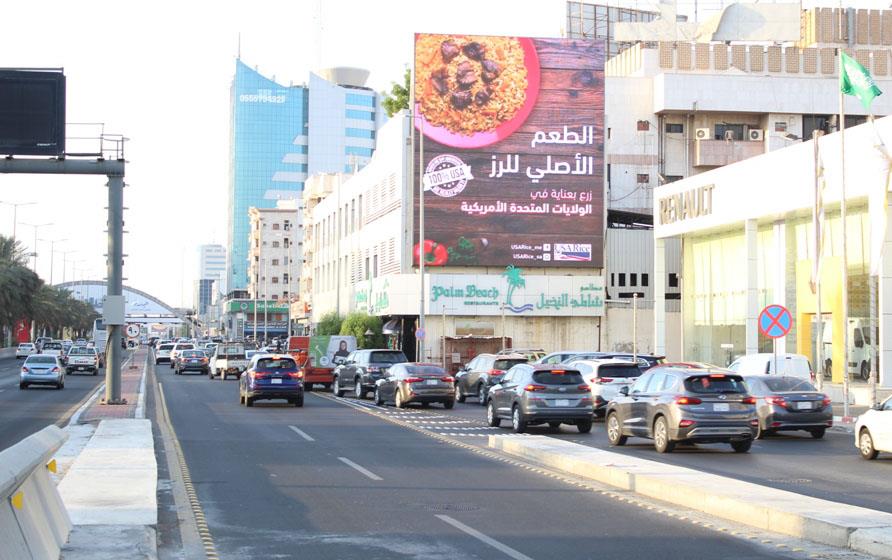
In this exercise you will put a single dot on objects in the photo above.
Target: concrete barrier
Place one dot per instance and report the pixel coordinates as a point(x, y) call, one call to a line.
point(33, 520)
point(779, 511)
point(7, 352)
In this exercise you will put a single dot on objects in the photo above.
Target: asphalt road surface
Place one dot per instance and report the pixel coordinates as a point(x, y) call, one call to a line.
point(327, 481)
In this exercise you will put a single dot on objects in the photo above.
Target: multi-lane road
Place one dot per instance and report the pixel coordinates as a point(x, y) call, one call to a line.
point(330, 480)
point(24, 412)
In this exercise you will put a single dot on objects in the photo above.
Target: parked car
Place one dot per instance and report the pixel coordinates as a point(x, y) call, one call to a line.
point(42, 369)
point(530, 394)
point(162, 354)
point(790, 365)
point(873, 430)
point(644, 361)
point(82, 359)
point(272, 377)
point(52, 348)
point(177, 348)
point(191, 360)
point(415, 383)
point(24, 350)
point(531, 354)
point(789, 403)
point(606, 378)
point(674, 405)
point(481, 373)
point(362, 369)
point(559, 357)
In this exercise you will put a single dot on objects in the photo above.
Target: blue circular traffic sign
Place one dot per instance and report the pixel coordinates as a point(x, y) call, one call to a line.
point(775, 321)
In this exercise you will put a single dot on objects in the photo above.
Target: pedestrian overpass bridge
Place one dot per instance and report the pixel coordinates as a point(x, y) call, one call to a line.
point(139, 306)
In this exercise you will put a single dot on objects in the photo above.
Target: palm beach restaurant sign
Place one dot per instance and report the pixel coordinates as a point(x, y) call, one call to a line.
point(485, 294)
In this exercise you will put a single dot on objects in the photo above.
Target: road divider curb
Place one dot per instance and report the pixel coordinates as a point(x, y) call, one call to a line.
point(831, 523)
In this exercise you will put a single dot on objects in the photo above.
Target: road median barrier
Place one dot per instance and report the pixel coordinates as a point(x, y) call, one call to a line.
point(33, 520)
point(779, 511)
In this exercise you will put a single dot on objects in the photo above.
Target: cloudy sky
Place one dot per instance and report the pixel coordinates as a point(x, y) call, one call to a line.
point(159, 72)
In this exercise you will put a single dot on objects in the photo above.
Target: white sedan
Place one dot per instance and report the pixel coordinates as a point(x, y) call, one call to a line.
point(873, 431)
point(25, 349)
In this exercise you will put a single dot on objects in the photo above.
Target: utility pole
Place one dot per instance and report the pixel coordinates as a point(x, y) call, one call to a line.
point(52, 254)
point(15, 210)
point(36, 228)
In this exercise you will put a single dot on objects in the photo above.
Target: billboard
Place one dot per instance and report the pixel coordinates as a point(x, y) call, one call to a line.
point(509, 136)
point(32, 112)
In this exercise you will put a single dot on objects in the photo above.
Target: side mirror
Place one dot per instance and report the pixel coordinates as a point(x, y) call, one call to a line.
point(624, 391)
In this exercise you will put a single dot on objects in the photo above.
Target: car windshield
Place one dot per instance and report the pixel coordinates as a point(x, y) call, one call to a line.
point(432, 371)
point(25, 345)
point(506, 364)
point(185, 346)
point(715, 383)
point(624, 371)
point(165, 347)
point(231, 349)
point(787, 384)
point(275, 364)
point(193, 354)
point(41, 360)
point(558, 377)
point(77, 351)
point(387, 357)
point(52, 346)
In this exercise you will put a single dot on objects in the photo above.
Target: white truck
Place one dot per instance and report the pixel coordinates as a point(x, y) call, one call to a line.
point(229, 359)
point(860, 347)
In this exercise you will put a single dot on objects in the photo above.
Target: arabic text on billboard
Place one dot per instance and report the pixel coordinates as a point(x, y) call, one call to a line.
point(513, 150)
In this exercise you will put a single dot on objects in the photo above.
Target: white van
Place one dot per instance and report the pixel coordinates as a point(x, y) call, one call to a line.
point(860, 347)
point(789, 365)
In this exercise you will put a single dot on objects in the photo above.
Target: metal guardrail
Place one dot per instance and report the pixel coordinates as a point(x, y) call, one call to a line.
point(33, 521)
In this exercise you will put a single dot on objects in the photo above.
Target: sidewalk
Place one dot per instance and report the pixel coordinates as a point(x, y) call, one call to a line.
point(109, 475)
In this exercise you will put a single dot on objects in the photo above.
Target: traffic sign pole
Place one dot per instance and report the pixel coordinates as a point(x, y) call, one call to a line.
point(775, 321)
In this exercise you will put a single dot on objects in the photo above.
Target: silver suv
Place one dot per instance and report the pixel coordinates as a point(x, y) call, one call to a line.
point(671, 405)
point(606, 378)
point(538, 394)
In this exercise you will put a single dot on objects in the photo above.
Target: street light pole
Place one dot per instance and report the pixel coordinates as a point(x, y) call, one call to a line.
point(36, 229)
point(53, 253)
point(15, 211)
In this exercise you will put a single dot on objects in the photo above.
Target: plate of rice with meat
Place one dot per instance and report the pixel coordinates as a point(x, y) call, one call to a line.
point(472, 91)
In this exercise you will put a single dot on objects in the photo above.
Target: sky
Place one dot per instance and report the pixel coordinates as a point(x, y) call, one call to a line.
point(159, 73)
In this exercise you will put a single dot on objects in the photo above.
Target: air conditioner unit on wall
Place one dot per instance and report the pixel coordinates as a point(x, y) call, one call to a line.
point(702, 134)
point(755, 134)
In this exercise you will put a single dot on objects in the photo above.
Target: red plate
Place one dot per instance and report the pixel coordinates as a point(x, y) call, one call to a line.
point(480, 139)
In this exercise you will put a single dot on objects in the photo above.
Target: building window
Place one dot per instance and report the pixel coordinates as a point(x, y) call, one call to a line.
point(359, 133)
point(276, 263)
point(612, 279)
point(643, 126)
point(362, 115)
point(287, 242)
point(275, 279)
point(276, 226)
point(673, 280)
point(622, 279)
point(275, 244)
point(674, 128)
point(633, 279)
point(375, 267)
point(285, 278)
point(644, 280)
point(673, 178)
point(361, 100)
point(643, 178)
point(730, 129)
point(357, 151)
point(782, 127)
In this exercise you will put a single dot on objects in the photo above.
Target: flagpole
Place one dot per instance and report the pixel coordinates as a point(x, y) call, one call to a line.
point(845, 261)
point(819, 342)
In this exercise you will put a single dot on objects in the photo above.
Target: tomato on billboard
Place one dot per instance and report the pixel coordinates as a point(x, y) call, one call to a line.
point(510, 137)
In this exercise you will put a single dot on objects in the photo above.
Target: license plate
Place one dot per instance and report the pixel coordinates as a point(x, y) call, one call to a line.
point(193, 361)
point(80, 368)
point(562, 402)
point(430, 382)
point(721, 407)
point(804, 405)
point(276, 381)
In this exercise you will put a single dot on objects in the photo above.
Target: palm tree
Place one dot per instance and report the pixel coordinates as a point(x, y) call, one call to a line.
point(12, 252)
point(515, 280)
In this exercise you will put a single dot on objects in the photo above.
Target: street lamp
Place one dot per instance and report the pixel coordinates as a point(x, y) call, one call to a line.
point(52, 253)
point(15, 210)
point(36, 228)
point(65, 262)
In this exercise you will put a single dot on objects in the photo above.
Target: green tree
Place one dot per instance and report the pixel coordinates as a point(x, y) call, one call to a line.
point(329, 324)
point(515, 280)
point(18, 284)
point(358, 323)
point(398, 98)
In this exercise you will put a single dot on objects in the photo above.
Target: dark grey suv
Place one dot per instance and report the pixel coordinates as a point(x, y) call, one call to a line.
point(532, 394)
point(481, 373)
point(671, 405)
point(362, 369)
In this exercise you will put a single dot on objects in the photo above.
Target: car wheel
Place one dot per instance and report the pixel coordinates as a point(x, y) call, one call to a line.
point(95, 372)
point(554, 425)
point(491, 419)
point(398, 400)
point(614, 431)
point(865, 445)
point(584, 426)
point(378, 400)
point(23, 386)
point(249, 401)
point(357, 389)
point(518, 422)
point(156, 363)
point(241, 397)
point(308, 387)
point(299, 401)
point(741, 446)
point(481, 395)
point(425, 405)
point(661, 436)
point(336, 388)
point(818, 433)
point(210, 374)
point(761, 433)
point(60, 386)
point(459, 395)
point(865, 371)
point(448, 405)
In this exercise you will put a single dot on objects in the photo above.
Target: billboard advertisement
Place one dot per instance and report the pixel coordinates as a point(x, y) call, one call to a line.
point(330, 351)
point(510, 139)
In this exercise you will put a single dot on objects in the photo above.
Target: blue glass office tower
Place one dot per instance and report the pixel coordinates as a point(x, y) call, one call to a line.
point(281, 135)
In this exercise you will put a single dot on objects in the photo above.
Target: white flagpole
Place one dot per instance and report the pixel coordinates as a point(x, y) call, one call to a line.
point(845, 261)
point(819, 342)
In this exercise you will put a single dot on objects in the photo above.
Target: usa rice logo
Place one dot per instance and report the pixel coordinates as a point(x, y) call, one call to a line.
point(574, 252)
point(446, 175)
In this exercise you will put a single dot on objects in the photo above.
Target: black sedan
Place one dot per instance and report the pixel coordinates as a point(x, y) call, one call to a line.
point(788, 404)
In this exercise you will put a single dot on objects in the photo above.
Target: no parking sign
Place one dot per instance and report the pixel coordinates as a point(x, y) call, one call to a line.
point(775, 321)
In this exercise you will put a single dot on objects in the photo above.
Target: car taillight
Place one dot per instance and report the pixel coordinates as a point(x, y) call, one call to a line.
point(448, 379)
point(414, 379)
point(755, 422)
point(775, 400)
point(26, 370)
point(826, 401)
point(533, 388)
point(748, 400)
point(583, 387)
point(602, 380)
point(812, 375)
point(55, 369)
point(204, 359)
point(686, 423)
point(687, 400)
point(260, 374)
point(297, 374)
point(496, 372)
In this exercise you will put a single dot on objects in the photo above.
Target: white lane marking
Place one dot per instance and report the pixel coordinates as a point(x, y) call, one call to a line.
point(301, 433)
point(507, 550)
point(360, 468)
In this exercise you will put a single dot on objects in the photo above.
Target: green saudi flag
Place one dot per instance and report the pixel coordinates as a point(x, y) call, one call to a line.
point(855, 80)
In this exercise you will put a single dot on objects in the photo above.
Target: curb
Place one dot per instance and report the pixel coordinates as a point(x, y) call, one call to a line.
point(779, 511)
